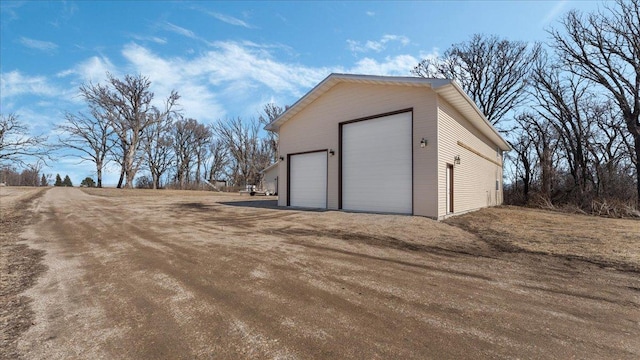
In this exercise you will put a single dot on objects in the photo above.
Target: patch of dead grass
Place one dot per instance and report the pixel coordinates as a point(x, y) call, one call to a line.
point(606, 241)
point(116, 193)
point(19, 266)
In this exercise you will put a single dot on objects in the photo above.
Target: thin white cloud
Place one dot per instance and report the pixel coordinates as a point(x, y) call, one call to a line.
point(15, 83)
point(39, 119)
point(155, 39)
point(249, 43)
point(93, 69)
point(184, 32)
point(232, 61)
point(355, 46)
point(65, 14)
point(197, 99)
point(230, 19)
point(281, 17)
point(236, 73)
point(232, 72)
point(370, 13)
point(553, 12)
point(377, 46)
point(9, 8)
point(156, 67)
point(38, 44)
point(179, 30)
point(399, 65)
point(231, 79)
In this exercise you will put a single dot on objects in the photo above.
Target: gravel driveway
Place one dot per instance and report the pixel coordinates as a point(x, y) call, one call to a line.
point(147, 274)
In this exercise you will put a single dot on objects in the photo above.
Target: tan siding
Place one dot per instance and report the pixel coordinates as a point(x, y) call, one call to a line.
point(316, 128)
point(270, 179)
point(425, 177)
point(475, 177)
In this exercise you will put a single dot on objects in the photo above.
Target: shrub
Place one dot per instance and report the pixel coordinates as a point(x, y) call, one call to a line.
point(88, 182)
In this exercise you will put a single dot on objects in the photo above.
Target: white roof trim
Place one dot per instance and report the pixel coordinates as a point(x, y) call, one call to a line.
point(269, 167)
point(448, 89)
point(458, 98)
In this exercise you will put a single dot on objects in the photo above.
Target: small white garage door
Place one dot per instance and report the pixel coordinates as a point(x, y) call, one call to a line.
point(377, 165)
point(308, 180)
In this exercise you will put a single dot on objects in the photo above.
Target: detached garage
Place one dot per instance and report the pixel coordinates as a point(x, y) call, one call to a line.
point(390, 145)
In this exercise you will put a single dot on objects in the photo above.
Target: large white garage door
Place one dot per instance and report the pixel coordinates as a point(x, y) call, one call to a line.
point(308, 180)
point(377, 165)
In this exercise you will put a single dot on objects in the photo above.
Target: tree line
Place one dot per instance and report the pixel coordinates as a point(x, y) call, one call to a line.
point(31, 176)
point(155, 147)
point(570, 108)
point(123, 126)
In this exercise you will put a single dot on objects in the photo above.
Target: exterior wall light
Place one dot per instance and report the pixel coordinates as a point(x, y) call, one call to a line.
point(423, 142)
point(456, 159)
point(281, 158)
point(332, 152)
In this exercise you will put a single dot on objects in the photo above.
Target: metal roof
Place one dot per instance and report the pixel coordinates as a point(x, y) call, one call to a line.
point(450, 90)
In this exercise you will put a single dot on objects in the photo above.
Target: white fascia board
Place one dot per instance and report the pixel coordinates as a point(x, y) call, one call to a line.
point(474, 114)
point(270, 167)
point(334, 78)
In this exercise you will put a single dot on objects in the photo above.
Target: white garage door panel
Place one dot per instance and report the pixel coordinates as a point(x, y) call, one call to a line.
point(308, 187)
point(377, 165)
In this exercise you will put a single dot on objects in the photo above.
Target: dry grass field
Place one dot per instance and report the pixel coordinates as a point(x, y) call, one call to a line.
point(135, 274)
point(608, 242)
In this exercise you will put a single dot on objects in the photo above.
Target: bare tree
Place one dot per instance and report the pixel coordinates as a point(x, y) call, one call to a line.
point(493, 71)
point(191, 140)
point(571, 145)
point(159, 155)
point(202, 137)
point(523, 164)
point(218, 160)
point(247, 151)
point(183, 146)
point(610, 150)
point(9, 175)
point(118, 152)
point(604, 47)
point(16, 143)
point(271, 112)
point(536, 147)
point(158, 145)
point(91, 136)
point(29, 176)
point(565, 102)
point(127, 104)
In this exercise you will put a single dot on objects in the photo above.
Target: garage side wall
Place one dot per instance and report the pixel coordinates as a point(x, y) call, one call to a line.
point(316, 127)
point(271, 180)
point(480, 167)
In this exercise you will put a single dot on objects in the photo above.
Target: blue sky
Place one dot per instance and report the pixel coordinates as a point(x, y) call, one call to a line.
point(228, 59)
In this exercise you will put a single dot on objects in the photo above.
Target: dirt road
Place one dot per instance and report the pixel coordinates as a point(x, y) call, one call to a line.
point(136, 275)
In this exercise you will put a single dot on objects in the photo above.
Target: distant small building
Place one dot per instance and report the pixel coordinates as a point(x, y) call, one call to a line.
point(219, 184)
point(270, 179)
